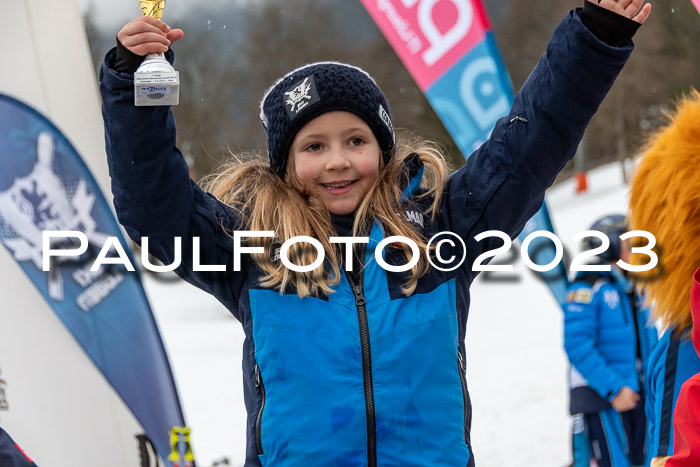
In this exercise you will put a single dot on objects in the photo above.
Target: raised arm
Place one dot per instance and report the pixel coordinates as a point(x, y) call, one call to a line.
point(153, 193)
point(503, 183)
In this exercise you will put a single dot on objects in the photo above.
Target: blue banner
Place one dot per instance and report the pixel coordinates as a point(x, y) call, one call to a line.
point(46, 186)
point(472, 95)
point(542, 251)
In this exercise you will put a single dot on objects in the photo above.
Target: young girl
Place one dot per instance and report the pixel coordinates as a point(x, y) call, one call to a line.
point(360, 367)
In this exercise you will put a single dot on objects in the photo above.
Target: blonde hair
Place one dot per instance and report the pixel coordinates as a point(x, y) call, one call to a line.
point(665, 200)
point(289, 208)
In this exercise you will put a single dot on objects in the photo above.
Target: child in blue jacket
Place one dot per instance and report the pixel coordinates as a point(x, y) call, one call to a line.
point(608, 338)
point(352, 365)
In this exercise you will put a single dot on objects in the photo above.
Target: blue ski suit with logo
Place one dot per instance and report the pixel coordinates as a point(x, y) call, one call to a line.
point(600, 336)
point(608, 338)
point(365, 375)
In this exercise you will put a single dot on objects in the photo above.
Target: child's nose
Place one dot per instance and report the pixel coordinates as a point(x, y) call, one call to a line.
point(338, 160)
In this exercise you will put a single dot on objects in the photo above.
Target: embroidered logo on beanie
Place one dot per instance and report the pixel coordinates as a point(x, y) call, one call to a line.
point(384, 115)
point(301, 95)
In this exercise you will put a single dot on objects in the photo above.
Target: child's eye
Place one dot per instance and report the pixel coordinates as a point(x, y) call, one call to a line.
point(357, 141)
point(313, 147)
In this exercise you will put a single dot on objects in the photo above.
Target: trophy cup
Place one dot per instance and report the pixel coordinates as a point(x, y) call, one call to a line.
point(156, 82)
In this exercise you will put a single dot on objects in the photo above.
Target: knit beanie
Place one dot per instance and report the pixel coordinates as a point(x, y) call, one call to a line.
point(310, 91)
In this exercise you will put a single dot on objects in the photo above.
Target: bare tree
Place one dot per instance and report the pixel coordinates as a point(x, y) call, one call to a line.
point(662, 66)
point(229, 57)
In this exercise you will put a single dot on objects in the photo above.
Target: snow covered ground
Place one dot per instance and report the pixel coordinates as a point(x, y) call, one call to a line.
point(516, 363)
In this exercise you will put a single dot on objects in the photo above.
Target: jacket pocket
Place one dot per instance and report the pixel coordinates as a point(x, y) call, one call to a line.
point(258, 420)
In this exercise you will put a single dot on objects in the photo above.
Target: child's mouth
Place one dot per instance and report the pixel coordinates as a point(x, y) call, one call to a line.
point(338, 186)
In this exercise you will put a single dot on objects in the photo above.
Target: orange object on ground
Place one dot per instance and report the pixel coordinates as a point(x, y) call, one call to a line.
point(581, 182)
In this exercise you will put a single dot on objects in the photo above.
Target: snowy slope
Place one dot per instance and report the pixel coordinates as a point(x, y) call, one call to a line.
point(516, 364)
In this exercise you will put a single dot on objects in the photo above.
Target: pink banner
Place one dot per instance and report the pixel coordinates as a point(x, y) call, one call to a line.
point(697, 4)
point(430, 36)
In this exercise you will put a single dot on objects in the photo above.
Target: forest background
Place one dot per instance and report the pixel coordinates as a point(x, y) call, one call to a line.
point(231, 54)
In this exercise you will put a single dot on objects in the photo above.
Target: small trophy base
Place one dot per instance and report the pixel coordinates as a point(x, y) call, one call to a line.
point(156, 83)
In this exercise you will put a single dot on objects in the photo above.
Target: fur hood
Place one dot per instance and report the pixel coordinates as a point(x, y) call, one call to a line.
point(665, 200)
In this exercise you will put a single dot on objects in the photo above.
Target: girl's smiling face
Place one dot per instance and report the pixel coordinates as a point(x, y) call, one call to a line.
point(337, 155)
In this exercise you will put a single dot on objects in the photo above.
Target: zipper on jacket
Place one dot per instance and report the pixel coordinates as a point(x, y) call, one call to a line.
point(638, 335)
point(360, 304)
point(259, 384)
point(465, 396)
point(623, 306)
point(518, 118)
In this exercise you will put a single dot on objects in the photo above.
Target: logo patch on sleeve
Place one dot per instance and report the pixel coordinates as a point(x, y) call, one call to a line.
point(301, 95)
point(611, 298)
point(584, 296)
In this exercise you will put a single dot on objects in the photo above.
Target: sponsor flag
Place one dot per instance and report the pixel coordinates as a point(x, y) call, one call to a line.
point(45, 185)
point(448, 48)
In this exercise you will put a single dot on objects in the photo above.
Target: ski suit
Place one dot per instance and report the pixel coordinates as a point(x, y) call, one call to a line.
point(678, 393)
point(365, 375)
point(673, 362)
point(608, 339)
point(686, 417)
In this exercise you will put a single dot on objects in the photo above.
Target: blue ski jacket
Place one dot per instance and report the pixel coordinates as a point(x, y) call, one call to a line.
point(605, 335)
point(673, 361)
point(365, 375)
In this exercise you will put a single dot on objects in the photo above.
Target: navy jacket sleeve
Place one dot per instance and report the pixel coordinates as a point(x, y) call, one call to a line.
point(10, 453)
point(503, 183)
point(153, 193)
point(581, 321)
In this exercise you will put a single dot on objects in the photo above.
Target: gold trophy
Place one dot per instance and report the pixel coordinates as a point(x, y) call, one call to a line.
point(156, 82)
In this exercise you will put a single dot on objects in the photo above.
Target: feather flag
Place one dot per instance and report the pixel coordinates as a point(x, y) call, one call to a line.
point(46, 186)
